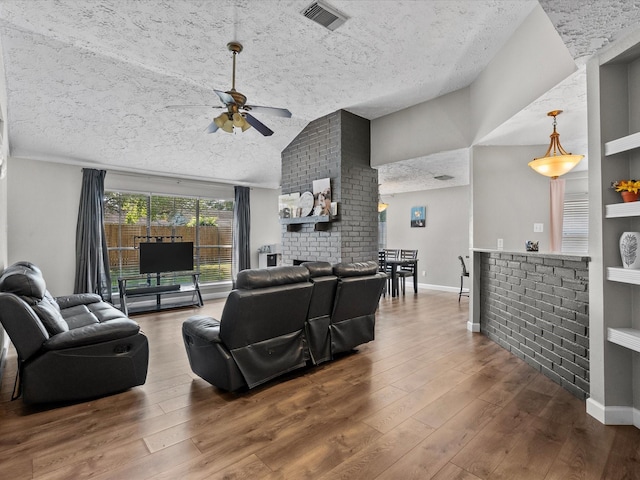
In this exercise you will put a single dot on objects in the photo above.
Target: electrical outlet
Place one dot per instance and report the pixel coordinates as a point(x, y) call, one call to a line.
point(538, 227)
point(500, 244)
point(424, 273)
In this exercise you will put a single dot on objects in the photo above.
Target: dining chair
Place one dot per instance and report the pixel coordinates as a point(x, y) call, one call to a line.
point(392, 254)
point(463, 273)
point(407, 270)
point(383, 267)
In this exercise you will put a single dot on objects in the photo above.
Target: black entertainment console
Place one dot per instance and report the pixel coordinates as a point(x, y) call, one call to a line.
point(191, 292)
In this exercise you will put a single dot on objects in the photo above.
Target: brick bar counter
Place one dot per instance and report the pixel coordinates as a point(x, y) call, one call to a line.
point(536, 305)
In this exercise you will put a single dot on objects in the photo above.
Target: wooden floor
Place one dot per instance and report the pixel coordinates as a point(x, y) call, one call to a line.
point(426, 399)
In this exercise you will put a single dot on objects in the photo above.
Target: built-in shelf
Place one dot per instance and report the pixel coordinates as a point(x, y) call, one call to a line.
point(626, 337)
point(617, 210)
point(623, 144)
point(623, 275)
point(322, 222)
point(312, 219)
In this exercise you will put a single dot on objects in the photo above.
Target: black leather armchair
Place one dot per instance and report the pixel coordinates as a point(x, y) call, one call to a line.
point(358, 292)
point(261, 333)
point(69, 348)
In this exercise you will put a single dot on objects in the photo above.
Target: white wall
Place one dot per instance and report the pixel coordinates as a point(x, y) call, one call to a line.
point(3, 219)
point(4, 154)
point(42, 200)
point(508, 197)
point(265, 223)
point(445, 236)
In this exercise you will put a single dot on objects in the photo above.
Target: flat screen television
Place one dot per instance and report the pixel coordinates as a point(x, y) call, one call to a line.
point(166, 257)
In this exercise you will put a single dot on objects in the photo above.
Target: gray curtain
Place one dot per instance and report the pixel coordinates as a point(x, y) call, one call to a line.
point(92, 257)
point(241, 259)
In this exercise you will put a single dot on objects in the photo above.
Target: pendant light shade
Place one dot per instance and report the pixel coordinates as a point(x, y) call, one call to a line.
point(556, 161)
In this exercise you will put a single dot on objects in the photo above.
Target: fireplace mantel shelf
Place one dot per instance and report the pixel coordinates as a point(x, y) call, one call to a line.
point(322, 222)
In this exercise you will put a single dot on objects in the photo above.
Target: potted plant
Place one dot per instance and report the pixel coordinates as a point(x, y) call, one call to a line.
point(628, 189)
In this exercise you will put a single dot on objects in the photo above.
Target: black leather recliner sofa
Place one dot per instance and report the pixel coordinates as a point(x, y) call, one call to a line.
point(260, 334)
point(69, 348)
point(279, 318)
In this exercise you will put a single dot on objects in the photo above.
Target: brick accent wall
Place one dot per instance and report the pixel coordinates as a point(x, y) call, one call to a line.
point(537, 307)
point(337, 146)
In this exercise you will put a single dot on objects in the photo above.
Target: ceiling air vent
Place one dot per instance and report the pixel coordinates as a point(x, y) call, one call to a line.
point(325, 15)
point(443, 177)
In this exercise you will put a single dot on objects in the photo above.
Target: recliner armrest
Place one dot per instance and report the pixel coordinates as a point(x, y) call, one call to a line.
point(203, 327)
point(92, 334)
point(68, 301)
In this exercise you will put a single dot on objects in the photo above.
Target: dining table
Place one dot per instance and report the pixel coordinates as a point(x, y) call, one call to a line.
point(395, 264)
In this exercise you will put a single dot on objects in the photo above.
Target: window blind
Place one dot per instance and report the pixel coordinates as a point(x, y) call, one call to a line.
point(575, 227)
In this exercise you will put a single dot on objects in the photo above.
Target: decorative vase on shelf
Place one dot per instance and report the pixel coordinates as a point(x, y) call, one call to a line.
point(630, 196)
point(630, 250)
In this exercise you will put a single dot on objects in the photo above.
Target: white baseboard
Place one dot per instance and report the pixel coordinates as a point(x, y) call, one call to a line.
point(473, 327)
point(442, 288)
point(613, 415)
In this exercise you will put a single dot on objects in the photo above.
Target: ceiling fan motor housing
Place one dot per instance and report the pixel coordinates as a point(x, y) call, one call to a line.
point(239, 98)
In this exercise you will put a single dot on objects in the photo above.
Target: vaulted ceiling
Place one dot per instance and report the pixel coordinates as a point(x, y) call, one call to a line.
point(88, 82)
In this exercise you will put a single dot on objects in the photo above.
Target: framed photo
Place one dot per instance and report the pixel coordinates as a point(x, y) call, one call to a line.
point(322, 196)
point(418, 216)
point(288, 205)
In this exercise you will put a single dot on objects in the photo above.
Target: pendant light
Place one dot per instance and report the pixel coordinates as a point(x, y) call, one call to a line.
point(556, 161)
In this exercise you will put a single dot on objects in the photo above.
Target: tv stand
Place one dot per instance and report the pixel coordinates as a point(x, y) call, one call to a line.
point(136, 286)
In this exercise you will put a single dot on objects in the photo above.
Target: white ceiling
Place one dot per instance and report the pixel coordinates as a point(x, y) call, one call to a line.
point(87, 81)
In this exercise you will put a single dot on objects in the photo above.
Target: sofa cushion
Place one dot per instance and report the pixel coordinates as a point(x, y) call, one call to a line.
point(355, 269)
point(78, 316)
point(318, 269)
point(49, 314)
point(23, 281)
point(271, 277)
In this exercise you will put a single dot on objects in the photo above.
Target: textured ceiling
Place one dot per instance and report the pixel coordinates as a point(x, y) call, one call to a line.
point(88, 81)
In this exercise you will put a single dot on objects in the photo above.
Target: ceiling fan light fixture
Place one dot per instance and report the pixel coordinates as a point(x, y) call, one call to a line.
point(227, 126)
point(556, 161)
point(240, 122)
point(221, 119)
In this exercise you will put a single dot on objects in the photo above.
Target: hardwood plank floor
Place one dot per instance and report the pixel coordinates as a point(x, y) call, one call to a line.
point(426, 399)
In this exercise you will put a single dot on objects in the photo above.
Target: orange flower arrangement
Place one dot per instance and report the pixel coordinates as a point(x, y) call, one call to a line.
point(632, 186)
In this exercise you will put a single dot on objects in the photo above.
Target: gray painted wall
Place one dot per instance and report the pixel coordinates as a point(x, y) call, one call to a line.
point(445, 236)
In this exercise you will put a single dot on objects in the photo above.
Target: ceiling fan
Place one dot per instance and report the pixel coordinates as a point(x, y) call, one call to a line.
point(237, 114)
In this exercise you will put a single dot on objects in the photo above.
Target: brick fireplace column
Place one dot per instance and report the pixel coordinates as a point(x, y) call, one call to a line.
point(336, 146)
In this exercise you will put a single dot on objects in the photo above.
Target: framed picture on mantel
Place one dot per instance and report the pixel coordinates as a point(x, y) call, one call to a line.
point(418, 216)
point(322, 196)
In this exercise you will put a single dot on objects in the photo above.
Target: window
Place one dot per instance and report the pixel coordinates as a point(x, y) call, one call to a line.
point(382, 230)
point(131, 218)
point(575, 226)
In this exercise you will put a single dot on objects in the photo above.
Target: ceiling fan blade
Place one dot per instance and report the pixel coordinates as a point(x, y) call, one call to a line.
point(278, 112)
point(258, 125)
point(212, 128)
point(176, 107)
point(225, 97)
